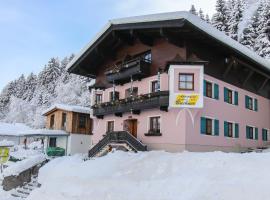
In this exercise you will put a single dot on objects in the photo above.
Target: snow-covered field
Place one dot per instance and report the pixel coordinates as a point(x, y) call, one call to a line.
point(157, 175)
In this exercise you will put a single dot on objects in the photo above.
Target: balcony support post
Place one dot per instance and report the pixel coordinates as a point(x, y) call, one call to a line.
point(158, 80)
point(131, 86)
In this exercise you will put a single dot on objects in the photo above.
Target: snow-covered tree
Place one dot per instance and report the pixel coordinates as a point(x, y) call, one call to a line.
point(193, 10)
point(201, 14)
point(30, 87)
point(235, 16)
point(207, 19)
point(262, 42)
point(220, 18)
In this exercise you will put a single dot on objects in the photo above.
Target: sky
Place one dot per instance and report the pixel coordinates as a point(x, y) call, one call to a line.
point(33, 31)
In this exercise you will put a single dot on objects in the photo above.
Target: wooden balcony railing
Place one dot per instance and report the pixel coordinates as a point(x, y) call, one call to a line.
point(133, 104)
point(136, 68)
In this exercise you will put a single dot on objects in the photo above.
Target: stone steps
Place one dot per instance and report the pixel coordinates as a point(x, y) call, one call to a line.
point(24, 191)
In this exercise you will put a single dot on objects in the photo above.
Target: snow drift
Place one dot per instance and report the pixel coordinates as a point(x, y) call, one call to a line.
point(156, 175)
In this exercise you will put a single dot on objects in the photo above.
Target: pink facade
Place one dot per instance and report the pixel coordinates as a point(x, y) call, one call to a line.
point(180, 127)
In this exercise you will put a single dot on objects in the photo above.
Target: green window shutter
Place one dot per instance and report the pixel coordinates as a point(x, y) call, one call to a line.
point(226, 129)
point(235, 98)
point(225, 94)
point(246, 101)
point(255, 104)
point(216, 127)
point(204, 87)
point(236, 130)
point(203, 125)
point(256, 133)
point(247, 132)
point(216, 91)
point(264, 134)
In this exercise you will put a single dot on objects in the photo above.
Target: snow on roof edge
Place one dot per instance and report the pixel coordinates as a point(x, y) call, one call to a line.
point(72, 108)
point(195, 20)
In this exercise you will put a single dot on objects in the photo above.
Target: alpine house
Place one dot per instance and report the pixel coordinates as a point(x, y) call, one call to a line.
point(173, 82)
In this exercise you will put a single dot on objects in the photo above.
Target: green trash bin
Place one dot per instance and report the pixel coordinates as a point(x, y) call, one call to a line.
point(55, 151)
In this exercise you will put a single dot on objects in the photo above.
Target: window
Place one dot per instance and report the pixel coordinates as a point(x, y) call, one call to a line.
point(64, 121)
point(231, 129)
point(154, 125)
point(186, 81)
point(148, 57)
point(98, 99)
point(129, 93)
point(110, 126)
point(230, 96)
point(116, 96)
point(251, 132)
point(82, 121)
point(211, 90)
point(154, 86)
point(209, 126)
point(52, 122)
point(264, 134)
point(52, 142)
point(251, 103)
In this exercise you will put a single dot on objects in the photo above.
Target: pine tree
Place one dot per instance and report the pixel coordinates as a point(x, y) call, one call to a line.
point(207, 19)
point(236, 15)
point(250, 33)
point(193, 10)
point(201, 15)
point(220, 18)
point(30, 87)
point(262, 42)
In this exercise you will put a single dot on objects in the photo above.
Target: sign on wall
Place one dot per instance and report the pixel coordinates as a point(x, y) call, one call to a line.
point(4, 154)
point(192, 96)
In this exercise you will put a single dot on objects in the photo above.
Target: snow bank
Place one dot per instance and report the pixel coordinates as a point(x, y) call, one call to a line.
point(23, 165)
point(157, 175)
point(9, 128)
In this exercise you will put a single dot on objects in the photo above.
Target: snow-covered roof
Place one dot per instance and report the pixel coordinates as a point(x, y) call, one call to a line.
point(18, 129)
point(6, 143)
point(193, 19)
point(72, 108)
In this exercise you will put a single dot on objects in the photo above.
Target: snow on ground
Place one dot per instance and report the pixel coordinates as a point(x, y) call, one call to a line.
point(157, 175)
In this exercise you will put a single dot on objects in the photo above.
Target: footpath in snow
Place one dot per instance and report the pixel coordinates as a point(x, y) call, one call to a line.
point(157, 175)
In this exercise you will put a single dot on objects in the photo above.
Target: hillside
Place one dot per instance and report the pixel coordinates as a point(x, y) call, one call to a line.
point(24, 99)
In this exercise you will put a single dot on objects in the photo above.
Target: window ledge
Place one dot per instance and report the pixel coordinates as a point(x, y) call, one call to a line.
point(153, 134)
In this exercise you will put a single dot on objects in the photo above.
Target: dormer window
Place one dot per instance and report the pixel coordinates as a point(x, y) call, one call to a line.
point(186, 81)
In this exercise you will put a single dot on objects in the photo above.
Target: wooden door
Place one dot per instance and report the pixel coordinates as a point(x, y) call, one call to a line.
point(130, 125)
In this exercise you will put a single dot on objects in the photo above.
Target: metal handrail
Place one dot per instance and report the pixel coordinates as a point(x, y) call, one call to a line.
point(117, 136)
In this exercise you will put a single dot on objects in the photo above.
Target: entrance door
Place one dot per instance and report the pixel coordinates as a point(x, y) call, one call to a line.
point(130, 125)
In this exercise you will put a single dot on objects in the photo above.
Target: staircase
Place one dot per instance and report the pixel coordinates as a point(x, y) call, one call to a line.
point(24, 191)
point(116, 139)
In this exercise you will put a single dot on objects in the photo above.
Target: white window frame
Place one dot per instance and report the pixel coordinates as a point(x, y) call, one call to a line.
point(150, 84)
point(213, 125)
point(233, 127)
point(148, 122)
point(213, 89)
point(233, 95)
point(254, 134)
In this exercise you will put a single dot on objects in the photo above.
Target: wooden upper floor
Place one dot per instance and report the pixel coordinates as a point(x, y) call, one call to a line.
point(69, 120)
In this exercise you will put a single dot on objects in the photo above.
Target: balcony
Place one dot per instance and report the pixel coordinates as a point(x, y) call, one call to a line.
point(137, 68)
point(133, 104)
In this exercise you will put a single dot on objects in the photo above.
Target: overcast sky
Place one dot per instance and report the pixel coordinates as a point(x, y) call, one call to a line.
point(33, 31)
